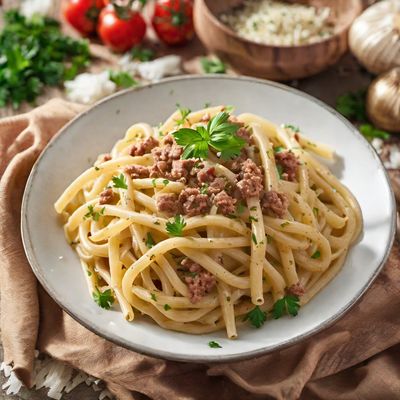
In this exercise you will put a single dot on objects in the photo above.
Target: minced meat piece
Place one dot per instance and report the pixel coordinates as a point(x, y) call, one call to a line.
point(289, 163)
point(137, 171)
point(163, 158)
point(193, 202)
point(216, 186)
point(274, 202)
point(107, 196)
point(245, 134)
point(250, 180)
point(181, 169)
point(296, 290)
point(235, 165)
point(168, 204)
point(206, 175)
point(143, 147)
point(225, 203)
point(200, 281)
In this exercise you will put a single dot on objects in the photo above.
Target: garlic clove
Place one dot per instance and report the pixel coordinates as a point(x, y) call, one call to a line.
point(383, 101)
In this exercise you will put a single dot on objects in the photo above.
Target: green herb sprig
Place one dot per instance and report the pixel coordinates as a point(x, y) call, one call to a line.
point(286, 305)
point(119, 182)
point(103, 299)
point(215, 66)
point(34, 54)
point(176, 228)
point(122, 79)
point(256, 316)
point(219, 135)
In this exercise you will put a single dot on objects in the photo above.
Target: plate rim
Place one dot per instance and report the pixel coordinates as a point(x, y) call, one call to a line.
point(30, 252)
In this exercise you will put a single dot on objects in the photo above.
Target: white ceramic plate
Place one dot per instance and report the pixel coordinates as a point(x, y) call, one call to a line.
point(75, 148)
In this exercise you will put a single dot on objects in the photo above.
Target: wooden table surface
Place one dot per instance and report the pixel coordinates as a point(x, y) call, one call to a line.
point(341, 78)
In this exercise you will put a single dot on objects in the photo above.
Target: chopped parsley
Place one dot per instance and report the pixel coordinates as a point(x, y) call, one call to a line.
point(286, 305)
point(215, 66)
point(256, 316)
point(253, 208)
point(119, 182)
point(184, 114)
point(251, 218)
point(240, 208)
point(154, 182)
point(229, 109)
point(103, 299)
point(96, 168)
point(207, 104)
point(153, 296)
point(283, 224)
point(89, 272)
point(269, 238)
point(292, 127)
point(167, 307)
point(219, 135)
point(204, 188)
point(165, 182)
point(279, 168)
point(122, 79)
point(315, 211)
point(149, 241)
point(278, 149)
point(142, 54)
point(316, 255)
point(95, 215)
point(176, 228)
point(214, 345)
point(253, 238)
point(371, 132)
point(352, 105)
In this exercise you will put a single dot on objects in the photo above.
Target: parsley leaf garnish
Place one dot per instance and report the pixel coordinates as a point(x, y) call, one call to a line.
point(256, 316)
point(122, 79)
point(142, 54)
point(219, 135)
point(316, 255)
point(352, 105)
point(286, 305)
point(278, 149)
point(119, 182)
point(149, 240)
point(214, 345)
point(165, 182)
point(253, 238)
point(153, 296)
point(371, 132)
point(184, 114)
point(167, 307)
point(204, 188)
point(215, 66)
point(95, 215)
point(176, 228)
point(103, 299)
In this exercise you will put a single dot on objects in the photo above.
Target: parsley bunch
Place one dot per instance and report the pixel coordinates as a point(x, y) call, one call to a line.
point(34, 53)
point(219, 135)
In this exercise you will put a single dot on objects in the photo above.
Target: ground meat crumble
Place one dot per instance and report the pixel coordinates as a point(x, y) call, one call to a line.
point(275, 203)
point(296, 290)
point(193, 202)
point(199, 282)
point(144, 146)
point(107, 196)
point(168, 204)
point(289, 163)
point(250, 180)
point(137, 171)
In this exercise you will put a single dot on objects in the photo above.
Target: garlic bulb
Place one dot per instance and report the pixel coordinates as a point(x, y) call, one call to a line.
point(374, 37)
point(383, 101)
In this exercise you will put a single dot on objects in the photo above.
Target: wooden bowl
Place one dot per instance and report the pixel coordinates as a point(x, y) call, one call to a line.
point(268, 61)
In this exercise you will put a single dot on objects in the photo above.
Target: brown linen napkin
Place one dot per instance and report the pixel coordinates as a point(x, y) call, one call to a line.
point(357, 358)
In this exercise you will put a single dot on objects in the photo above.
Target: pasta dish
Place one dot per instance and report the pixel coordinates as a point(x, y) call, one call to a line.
point(210, 221)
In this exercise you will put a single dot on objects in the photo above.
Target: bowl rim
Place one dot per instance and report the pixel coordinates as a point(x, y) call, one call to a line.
point(30, 253)
point(231, 33)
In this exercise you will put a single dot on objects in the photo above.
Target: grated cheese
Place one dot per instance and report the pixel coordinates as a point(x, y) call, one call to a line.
point(277, 23)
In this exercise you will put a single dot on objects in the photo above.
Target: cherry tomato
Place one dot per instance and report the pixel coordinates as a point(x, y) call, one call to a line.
point(83, 14)
point(121, 28)
point(173, 21)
